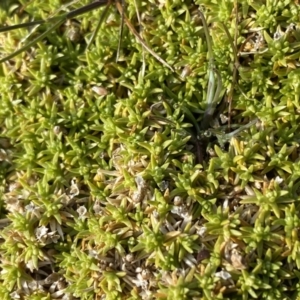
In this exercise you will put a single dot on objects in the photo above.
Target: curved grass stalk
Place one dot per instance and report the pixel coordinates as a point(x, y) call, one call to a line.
point(230, 135)
point(121, 30)
point(225, 137)
point(213, 93)
point(233, 43)
point(211, 106)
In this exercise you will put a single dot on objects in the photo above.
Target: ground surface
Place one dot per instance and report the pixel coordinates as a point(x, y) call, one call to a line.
point(110, 186)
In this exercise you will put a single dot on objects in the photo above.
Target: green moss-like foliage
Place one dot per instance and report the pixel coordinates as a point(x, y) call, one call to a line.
point(108, 190)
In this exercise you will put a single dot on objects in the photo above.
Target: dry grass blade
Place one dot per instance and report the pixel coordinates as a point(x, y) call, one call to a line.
point(138, 37)
point(23, 25)
point(30, 44)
